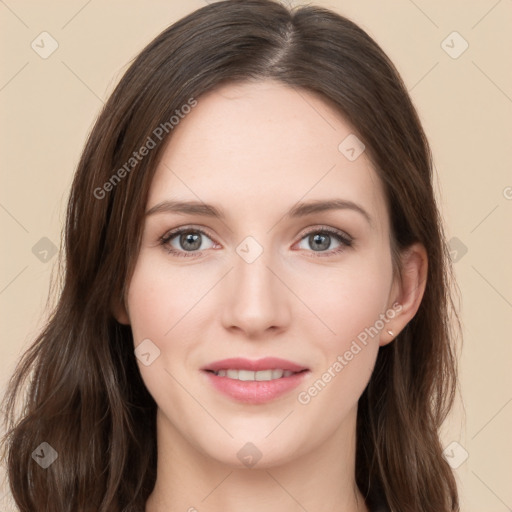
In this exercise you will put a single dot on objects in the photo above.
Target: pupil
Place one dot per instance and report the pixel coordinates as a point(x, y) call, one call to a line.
point(317, 238)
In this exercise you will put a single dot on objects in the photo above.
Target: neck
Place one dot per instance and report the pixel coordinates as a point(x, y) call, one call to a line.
point(322, 480)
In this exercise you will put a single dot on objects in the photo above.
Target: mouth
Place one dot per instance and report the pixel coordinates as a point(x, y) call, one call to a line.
point(254, 382)
point(259, 376)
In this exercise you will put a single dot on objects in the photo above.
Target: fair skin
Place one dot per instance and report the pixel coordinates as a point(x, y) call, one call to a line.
point(255, 150)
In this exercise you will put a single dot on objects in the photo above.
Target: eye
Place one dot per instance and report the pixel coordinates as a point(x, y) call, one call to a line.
point(189, 240)
point(321, 238)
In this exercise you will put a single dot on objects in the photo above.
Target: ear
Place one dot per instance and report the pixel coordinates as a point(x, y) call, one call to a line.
point(119, 311)
point(407, 290)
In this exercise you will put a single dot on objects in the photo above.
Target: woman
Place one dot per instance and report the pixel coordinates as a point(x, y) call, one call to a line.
point(301, 357)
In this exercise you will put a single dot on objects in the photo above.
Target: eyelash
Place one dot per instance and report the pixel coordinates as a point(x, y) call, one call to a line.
point(343, 238)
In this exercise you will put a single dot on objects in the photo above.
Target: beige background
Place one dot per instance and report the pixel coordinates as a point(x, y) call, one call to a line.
point(49, 105)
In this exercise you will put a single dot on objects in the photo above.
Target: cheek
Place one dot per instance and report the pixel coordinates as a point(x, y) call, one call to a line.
point(347, 300)
point(351, 305)
point(351, 302)
point(158, 298)
point(160, 303)
point(167, 306)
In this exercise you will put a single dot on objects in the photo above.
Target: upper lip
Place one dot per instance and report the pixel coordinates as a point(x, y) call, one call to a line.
point(266, 363)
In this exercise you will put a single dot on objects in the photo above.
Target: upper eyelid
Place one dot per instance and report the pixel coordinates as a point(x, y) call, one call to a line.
point(176, 231)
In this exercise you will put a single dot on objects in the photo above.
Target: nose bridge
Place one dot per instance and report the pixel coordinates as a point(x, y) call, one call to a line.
point(252, 272)
point(257, 298)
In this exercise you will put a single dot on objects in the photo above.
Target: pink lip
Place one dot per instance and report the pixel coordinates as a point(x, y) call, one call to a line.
point(267, 363)
point(255, 392)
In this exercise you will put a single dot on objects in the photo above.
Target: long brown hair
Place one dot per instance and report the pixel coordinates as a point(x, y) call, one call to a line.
point(85, 396)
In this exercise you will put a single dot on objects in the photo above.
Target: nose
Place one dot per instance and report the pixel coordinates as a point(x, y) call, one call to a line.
point(257, 300)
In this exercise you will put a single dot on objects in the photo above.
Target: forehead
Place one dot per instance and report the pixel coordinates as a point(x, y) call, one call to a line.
point(257, 144)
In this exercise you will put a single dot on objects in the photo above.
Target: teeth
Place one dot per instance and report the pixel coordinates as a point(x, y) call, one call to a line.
point(264, 375)
point(277, 374)
point(248, 375)
point(244, 374)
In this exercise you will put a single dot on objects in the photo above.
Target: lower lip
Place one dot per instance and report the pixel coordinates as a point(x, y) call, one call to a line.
point(255, 392)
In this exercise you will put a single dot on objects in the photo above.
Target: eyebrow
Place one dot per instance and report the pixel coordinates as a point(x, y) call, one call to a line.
point(299, 210)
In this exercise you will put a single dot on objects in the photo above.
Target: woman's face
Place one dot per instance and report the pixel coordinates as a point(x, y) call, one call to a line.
point(264, 280)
